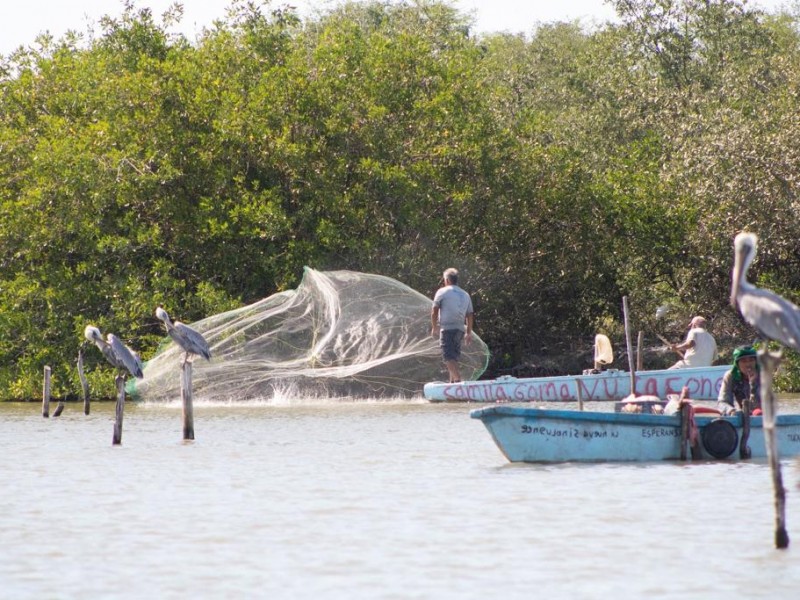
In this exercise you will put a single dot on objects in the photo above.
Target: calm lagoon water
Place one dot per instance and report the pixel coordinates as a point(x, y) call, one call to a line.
point(365, 500)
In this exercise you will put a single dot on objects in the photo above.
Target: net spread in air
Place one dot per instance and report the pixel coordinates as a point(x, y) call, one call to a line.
point(339, 334)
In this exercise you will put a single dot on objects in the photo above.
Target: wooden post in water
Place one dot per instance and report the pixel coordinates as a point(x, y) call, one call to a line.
point(694, 443)
point(684, 408)
point(769, 363)
point(120, 410)
point(186, 399)
point(579, 394)
point(744, 449)
point(59, 409)
point(84, 383)
point(46, 394)
point(631, 364)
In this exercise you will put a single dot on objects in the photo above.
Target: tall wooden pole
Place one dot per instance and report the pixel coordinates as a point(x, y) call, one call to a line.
point(747, 408)
point(120, 410)
point(769, 363)
point(186, 399)
point(631, 364)
point(84, 383)
point(46, 393)
point(639, 344)
point(684, 412)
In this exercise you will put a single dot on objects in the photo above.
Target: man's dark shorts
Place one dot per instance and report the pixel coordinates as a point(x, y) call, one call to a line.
point(450, 343)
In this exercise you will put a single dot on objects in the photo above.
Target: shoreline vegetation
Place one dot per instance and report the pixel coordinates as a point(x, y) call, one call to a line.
point(559, 171)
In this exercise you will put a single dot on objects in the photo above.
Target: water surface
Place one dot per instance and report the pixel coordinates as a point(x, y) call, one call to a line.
point(365, 500)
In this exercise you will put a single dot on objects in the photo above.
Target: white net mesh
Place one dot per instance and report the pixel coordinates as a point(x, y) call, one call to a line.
point(340, 333)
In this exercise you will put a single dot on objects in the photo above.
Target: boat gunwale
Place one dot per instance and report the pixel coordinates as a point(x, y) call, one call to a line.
point(617, 418)
point(610, 373)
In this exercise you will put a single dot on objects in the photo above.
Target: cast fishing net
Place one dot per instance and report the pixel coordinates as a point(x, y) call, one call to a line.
point(340, 333)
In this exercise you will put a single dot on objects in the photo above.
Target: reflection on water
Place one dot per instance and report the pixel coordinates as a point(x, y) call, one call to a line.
point(365, 500)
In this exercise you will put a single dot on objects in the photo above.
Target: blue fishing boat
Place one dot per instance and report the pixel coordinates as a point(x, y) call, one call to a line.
point(548, 435)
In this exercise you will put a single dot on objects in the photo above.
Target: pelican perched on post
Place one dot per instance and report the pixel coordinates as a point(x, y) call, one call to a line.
point(116, 353)
point(774, 317)
point(192, 342)
point(777, 319)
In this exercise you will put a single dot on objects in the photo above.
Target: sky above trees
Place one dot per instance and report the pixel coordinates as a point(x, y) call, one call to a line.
point(22, 22)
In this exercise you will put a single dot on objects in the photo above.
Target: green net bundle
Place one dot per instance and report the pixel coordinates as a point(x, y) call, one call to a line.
point(339, 334)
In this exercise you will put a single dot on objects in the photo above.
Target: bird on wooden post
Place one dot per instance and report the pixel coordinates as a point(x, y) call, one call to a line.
point(191, 341)
point(775, 319)
point(117, 354)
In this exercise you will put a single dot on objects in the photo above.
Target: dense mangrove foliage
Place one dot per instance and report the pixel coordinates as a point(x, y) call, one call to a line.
point(559, 170)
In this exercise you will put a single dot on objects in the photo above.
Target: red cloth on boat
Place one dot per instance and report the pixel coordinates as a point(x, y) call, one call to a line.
point(694, 432)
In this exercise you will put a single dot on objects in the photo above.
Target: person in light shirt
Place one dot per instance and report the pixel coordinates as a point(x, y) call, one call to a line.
point(451, 321)
point(699, 349)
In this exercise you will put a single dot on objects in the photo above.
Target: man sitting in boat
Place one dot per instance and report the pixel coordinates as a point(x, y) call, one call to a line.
point(740, 382)
point(699, 349)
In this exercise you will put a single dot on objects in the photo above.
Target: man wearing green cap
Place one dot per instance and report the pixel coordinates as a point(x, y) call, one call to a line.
point(740, 382)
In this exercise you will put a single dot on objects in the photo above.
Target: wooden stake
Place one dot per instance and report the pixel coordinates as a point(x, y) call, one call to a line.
point(639, 343)
point(769, 363)
point(695, 445)
point(684, 429)
point(631, 364)
point(59, 409)
point(579, 393)
point(186, 398)
point(46, 394)
point(120, 410)
point(744, 449)
point(84, 383)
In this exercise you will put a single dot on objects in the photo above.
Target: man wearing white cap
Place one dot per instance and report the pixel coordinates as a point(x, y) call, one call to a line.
point(699, 349)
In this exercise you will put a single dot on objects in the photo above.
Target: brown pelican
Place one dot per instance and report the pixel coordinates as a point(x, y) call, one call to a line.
point(116, 353)
point(774, 317)
point(192, 342)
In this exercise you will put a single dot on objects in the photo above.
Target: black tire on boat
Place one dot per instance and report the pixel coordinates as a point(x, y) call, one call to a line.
point(720, 438)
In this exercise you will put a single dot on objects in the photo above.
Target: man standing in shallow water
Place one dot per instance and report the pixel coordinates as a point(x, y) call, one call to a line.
point(451, 320)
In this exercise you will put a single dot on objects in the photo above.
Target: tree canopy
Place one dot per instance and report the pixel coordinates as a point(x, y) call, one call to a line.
point(559, 170)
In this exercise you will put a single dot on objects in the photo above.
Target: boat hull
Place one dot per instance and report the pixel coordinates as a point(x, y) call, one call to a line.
point(545, 435)
point(703, 383)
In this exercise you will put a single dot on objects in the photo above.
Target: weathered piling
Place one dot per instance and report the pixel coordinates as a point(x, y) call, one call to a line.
point(186, 399)
point(631, 363)
point(120, 410)
point(684, 408)
point(639, 346)
point(46, 393)
point(744, 449)
point(84, 383)
point(689, 435)
point(59, 409)
point(769, 362)
point(694, 439)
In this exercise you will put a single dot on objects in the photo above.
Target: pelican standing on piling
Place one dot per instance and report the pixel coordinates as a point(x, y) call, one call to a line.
point(192, 341)
point(776, 319)
point(116, 353)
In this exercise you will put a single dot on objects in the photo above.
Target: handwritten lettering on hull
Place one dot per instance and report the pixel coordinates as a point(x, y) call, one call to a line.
point(592, 389)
